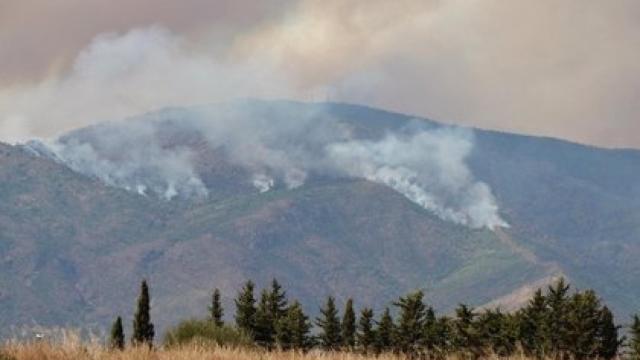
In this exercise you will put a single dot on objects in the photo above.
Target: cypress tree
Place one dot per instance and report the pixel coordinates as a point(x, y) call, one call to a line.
point(329, 324)
point(349, 326)
point(385, 332)
point(143, 330)
point(411, 322)
point(365, 335)
point(634, 340)
point(116, 341)
point(245, 309)
point(215, 309)
point(263, 332)
point(609, 341)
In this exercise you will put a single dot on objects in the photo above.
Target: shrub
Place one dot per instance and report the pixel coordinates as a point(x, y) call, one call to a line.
point(206, 332)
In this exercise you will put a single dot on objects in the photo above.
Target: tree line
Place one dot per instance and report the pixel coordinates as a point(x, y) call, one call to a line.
point(554, 323)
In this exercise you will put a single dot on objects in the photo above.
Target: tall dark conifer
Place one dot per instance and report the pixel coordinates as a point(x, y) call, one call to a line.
point(464, 335)
point(385, 332)
point(366, 336)
point(264, 330)
point(609, 341)
point(410, 323)
point(116, 340)
point(215, 309)
point(329, 323)
point(246, 309)
point(533, 326)
point(277, 301)
point(349, 326)
point(557, 303)
point(143, 330)
point(634, 338)
point(292, 331)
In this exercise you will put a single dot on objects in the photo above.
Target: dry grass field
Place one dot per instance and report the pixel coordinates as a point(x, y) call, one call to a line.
point(45, 351)
point(72, 348)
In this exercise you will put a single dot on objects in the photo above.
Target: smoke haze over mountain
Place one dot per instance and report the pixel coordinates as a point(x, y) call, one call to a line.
point(426, 165)
point(566, 69)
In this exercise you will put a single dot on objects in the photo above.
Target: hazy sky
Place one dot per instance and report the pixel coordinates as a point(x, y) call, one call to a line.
point(564, 68)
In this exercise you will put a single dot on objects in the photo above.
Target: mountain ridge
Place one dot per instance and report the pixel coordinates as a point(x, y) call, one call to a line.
point(83, 245)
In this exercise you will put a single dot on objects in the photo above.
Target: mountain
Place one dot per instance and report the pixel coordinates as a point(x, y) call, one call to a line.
point(394, 203)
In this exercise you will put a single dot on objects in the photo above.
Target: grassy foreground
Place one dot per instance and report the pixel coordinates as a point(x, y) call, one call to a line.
point(72, 348)
point(44, 351)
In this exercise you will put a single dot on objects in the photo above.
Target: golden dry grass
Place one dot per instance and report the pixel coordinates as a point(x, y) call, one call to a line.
point(68, 346)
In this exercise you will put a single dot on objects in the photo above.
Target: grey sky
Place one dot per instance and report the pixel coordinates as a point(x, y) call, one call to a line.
point(563, 68)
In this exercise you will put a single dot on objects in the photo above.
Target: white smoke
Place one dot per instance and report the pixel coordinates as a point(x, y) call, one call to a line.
point(263, 182)
point(131, 158)
point(118, 76)
point(428, 168)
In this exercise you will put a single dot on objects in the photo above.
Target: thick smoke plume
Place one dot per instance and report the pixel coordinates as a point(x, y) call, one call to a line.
point(278, 150)
point(428, 168)
point(118, 76)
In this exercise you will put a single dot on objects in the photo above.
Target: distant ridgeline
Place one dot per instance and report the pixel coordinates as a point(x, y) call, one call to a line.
point(557, 323)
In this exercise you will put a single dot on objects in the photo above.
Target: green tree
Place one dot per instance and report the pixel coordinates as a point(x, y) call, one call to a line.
point(116, 340)
point(349, 325)
point(277, 301)
point(634, 338)
point(532, 326)
point(497, 332)
point(292, 330)
point(366, 336)
point(465, 337)
point(329, 323)
point(215, 309)
point(246, 309)
point(609, 340)
point(435, 336)
point(557, 303)
point(410, 323)
point(385, 332)
point(143, 330)
point(582, 325)
point(264, 330)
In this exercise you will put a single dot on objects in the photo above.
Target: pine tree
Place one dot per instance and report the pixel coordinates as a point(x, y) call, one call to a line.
point(496, 332)
point(583, 319)
point(634, 340)
point(557, 302)
point(411, 322)
point(385, 332)
point(532, 329)
point(465, 337)
point(143, 330)
point(349, 326)
point(277, 301)
point(329, 324)
point(366, 336)
point(215, 309)
point(435, 335)
point(246, 309)
point(263, 333)
point(292, 331)
point(116, 341)
point(609, 342)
